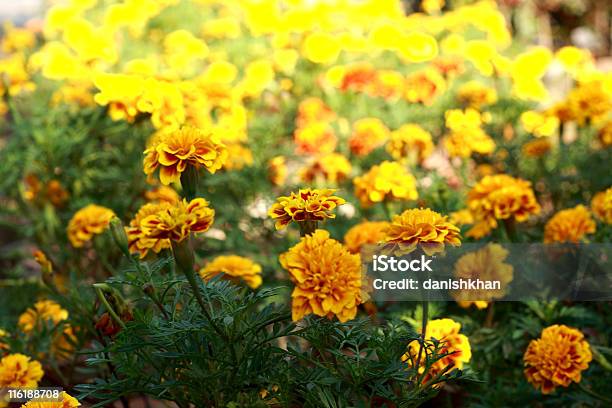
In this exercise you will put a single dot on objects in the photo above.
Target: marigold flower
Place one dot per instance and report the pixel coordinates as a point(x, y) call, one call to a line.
point(87, 222)
point(417, 47)
point(3, 346)
point(388, 180)
point(173, 151)
point(571, 225)
point(601, 204)
point(305, 205)
point(56, 193)
point(461, 217)
point(234, 267)
point(321, 48)
point(410, 141)
point(364, 233)
point(331, 168)
point(539, 124)
point(536, 148)
point(162, 194)
point(19, 371)
point(480, 304)
point(388, 85)
point(137, 240)
point(501, 197)
point(326, 275)
point(315, 138)
point(466, 136)
point(67, 401)
point(313, 110)
point(589, 102)
point(358, 77)
point(476, 95)
point(605, 134)
point(423, 227)
point(424, 86)
point(368, 134)
point(557, 358)
point(451, 342)
point(238, 156)
point(277, 170)
point(449, 65)
point(176, 222)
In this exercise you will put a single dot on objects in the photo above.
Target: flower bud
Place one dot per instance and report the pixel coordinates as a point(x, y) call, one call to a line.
point(119, 236)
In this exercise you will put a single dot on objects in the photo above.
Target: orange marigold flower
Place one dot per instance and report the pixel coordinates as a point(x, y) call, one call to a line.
point(461, 217)
point(315, 138)
point(173, 151)
point(410, 142)
point(388, 85)
point(569, 225)
point(234, 267)
point(3, 346)
point(589, 102)
point(277, 170)
point(364, 233)
point(56, 193)
point(451, 342)
point(480, 304)
point(466, 135)
point(557, 358)
point(424, 86)
point(326, 275)
point(331, 168)
point(358, 77)
point(449, 65)
point(238, 157)
point(176, 222)
point(313, 110)
point(388, 180)
point(87, 222)
point(605, 134)
point(368, 134)
point(501, 197)
point(537, 147)
point(19, 371)
point(476, 94)
point(424, 227)
point(67, 401)
point(137, 240)
point(305, 205)
point(163, 194)
point(602, 205)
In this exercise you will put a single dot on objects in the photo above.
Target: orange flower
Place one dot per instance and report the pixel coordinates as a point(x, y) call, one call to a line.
point(163, 194)
point(358, 77)
point(277, 170)
point(19, 371)
point(173, 151)
point(368, 134)
point(569, 225)
point(234, 267)
point(537, 147)
point(313, 110)
point(424, 86)
point(557, 358)
point(388, 180)
point(605, 134)
point(367, 232)
point(138, 242)
point(305, 205)
point(315, 137)
point(331, 168)
point(326, 275)
point(602, 205)
point(410, 141)
point(178, 221)
point(87, 222)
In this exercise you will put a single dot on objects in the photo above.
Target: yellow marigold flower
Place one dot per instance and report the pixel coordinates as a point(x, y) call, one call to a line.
point(467, 142)
point(137, 241)
point(313, 110)
point(43, 311)
point(221, 28)
point(451, 342)
point(16, 39)
point(162, 194)
point(424, 86)
point(388, 85)
point(557, 358)
point(410, 142)
point(602, 205)
point(574, 59)
point(605, 134)
point(173, 151)
point(257, 75)
point(19, 371)
point(461, 217)
point(501, 197)
point(305, 205)
point(432, 6)
point(387, 180)
point(364, 233)
point(234, 267)
point(539, 124)
point(536, 148)
point(75, 93)
point(331, 168)
point(321, 48)
point(3, 346)
point(527, 70)
point(66, 402)
point(368, 134)
point(183, 48)
point(571, 225)
point(423, 227)
point(589, 102)
point(417, 47)
point(326, 275)
point(87, 222)
point(480, 304)
point(16, 77)
point(238, 157)
point(91, 43)
point(486, 263)
point(314, 138)
point(277, 170)
point(121, 93)
point(476, 95)
point(176, 222)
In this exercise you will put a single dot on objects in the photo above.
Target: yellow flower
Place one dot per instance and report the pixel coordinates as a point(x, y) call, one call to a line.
point(326, 275)
point(461, 217)
point(277, 170)
point(486, 263)
point(19, 371)
point(574, 59)
point(331, 168)
point(313, 110)
point(605, 134)
point(368, 134)
point(15, 75)
point(89, 42)
point(539, 124)
point(451, 342)
point(238, 157)
point(527, 71)
point(137, 241)
point(602, 205)
point(466, 136)
point(257, 75)
point(410, 142)
point(536, 148)
point(74, 94)
point(388, 85)
point(321, 48)
point(3, 346)
point(121, 93)
point(480, 304)
point(501, 197)
point(162, 194)
point(221, 28)
point(424, 86)
point(315, 137)
point(421, 227)
point(432, 6)
point(67, 401)
point(173, 151)
point(42, 312)
point(16, 39)
point(87, 222)
point(557, 358)
point(364, 233)
point(305, 205)
point(176, 222)
point(387, 180)
point(569, 225)
point(476, 95)
point(417, 47)
point(589, 102)
point(183, 49)
point(234, 267)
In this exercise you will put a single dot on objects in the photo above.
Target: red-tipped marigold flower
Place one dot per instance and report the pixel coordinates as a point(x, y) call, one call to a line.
point(305, 205)
point(178, 221)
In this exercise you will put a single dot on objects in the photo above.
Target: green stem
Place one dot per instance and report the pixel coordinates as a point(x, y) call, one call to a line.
point(108, 307)
point(189, 182)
